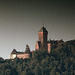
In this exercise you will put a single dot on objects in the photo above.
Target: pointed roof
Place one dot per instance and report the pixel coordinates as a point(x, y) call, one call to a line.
point(43, 29)
point(14, 51)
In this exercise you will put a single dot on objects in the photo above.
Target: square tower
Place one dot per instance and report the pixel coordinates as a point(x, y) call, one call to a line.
point(43, 43)
point(43, 37)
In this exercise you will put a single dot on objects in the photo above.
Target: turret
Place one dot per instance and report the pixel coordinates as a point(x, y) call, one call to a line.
point(27, 51)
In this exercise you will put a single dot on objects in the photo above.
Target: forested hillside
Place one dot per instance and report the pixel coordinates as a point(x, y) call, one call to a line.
point(61, 61)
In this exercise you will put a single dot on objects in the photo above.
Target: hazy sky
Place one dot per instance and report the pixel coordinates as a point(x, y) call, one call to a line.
point(20, 21)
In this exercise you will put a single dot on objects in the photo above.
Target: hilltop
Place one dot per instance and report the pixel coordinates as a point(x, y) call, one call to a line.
point(60, 61)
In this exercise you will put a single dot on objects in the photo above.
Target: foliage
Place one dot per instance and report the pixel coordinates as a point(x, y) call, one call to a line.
point(61, 61)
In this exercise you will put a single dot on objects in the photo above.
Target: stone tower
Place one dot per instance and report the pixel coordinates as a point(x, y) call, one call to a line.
point(43, 37)
point(43, 43)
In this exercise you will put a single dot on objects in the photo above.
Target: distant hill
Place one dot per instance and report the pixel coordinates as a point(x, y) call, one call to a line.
point(61, 61)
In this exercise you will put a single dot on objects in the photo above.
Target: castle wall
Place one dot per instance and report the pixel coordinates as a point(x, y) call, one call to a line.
point(41, 37)
point(12, 56)
point(49, 47)
point(45, 40)
point(23, 56)
point(37, 46)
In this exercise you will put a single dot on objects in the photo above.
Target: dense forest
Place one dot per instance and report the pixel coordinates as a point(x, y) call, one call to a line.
point(61, 61)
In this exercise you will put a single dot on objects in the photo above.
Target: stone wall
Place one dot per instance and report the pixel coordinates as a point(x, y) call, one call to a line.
point(23, 56)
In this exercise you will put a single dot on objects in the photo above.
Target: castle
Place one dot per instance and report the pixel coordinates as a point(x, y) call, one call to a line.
point(41, 43)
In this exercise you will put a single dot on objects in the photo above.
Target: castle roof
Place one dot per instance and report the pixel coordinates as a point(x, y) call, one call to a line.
point(14, 51)
point(43, 29)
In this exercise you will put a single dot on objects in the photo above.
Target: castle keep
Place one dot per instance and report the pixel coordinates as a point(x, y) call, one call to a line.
point(42, 43)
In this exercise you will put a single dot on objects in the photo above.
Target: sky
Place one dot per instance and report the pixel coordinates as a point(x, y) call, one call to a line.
point(20, 21)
